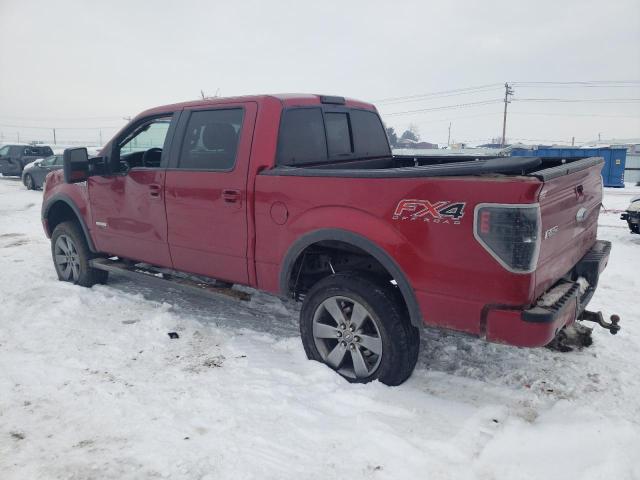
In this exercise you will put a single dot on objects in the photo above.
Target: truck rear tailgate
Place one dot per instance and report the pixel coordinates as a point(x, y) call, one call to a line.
point(569, 204)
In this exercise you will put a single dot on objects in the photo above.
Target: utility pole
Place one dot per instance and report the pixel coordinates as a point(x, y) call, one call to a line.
point(449, 136)
point(100, 137)
point(573, 141)
point(18, 133)
point(599, 137)
point(54, 136)
point(507, 92)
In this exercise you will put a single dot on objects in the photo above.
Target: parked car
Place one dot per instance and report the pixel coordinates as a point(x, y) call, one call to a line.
point(13, 158)
point(632, 215)
point(34, 173)
point(299, 195)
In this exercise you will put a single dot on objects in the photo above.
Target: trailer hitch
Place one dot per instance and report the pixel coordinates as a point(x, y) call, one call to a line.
point(597, 317)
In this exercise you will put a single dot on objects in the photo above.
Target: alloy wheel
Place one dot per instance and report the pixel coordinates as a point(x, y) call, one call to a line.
point(347, 337)
point(67, 258)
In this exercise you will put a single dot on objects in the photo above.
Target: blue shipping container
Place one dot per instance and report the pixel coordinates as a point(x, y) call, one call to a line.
point(614, 159)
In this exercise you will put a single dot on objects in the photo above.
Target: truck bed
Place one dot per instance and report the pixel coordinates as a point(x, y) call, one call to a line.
point(438, 166)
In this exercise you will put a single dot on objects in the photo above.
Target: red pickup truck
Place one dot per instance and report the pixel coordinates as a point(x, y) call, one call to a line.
point(300, 195)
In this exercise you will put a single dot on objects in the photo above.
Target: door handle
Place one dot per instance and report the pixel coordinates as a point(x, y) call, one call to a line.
point(154, 190)
point(231, 196)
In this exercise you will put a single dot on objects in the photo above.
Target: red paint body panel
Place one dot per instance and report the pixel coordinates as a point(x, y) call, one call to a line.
point(450, 271)
point(507, 326)
point(453, 277)
point(208, 232)
point(132, 207)
point(559, 205)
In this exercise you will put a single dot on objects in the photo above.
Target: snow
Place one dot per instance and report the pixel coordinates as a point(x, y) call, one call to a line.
point(91, 385)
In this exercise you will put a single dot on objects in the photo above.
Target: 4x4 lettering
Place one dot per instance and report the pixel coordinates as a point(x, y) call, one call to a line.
point(455, 210)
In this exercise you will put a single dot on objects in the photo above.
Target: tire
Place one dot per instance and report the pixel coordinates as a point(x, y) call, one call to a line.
point(382, 324)
point(71, 256)
point(29, 183)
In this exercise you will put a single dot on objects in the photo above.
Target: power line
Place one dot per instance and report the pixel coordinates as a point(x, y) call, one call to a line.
point(445, 107)
point(603, 83)
point(496, 86)
point(59, 128)
point(494, 89)
point(579, 100)
point(115, 117)
point(575, 86)
point(576, 115)
point(443, 93)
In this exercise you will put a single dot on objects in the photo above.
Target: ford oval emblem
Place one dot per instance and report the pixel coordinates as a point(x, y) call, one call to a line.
point(581, 215)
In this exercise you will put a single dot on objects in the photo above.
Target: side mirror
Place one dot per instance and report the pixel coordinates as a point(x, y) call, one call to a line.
point(76, 165)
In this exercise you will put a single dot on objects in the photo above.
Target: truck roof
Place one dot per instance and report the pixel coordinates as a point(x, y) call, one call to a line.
point(287, 100)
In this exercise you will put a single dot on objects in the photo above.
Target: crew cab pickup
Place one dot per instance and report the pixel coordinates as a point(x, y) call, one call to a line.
point(301, 196)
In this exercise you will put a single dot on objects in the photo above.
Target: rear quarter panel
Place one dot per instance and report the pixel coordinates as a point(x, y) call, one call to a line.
point(452, 275)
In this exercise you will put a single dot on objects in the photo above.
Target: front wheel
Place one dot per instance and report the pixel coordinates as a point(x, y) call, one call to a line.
point(71, 256)
point(359, 327)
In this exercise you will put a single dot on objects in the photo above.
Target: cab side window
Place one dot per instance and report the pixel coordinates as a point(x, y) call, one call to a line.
point(211, 140)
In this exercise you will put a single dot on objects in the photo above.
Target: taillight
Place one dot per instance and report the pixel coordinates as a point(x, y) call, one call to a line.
point(510, 233)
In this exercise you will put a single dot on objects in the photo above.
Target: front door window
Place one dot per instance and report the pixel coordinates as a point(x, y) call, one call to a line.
point(143, 147)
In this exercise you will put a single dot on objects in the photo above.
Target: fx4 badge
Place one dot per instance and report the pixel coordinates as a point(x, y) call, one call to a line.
point(436, 212)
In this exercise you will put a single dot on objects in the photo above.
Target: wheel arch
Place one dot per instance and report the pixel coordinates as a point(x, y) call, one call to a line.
point(60, 208)
point(297, 249)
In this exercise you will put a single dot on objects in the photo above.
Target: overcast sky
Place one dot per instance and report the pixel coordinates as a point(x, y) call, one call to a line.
point(89, 64)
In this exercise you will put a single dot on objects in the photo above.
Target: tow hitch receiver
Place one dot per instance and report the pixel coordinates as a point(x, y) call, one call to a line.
point(597, 317)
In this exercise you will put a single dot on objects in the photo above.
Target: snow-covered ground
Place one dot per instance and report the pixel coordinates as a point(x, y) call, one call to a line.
point(91, 386)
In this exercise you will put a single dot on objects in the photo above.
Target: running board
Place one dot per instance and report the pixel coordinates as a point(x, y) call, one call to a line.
point(166, 280)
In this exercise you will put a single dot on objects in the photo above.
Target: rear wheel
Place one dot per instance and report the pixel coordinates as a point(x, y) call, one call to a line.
point(359, 327)
point(29, 183)
point(71, 256)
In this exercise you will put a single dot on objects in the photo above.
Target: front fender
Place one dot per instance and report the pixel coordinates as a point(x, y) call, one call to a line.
point(74, 196)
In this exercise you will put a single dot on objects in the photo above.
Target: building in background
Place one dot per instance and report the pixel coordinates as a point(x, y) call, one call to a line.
point(406, 143)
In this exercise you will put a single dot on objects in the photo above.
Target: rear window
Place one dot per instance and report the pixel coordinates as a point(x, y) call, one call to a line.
point(302, 137)
point(338, 134)
point(37, 151)
point(368, 134)
point(312, 135)
point(211, 140)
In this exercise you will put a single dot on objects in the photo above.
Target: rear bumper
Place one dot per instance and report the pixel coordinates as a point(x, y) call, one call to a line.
point(559, 306)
